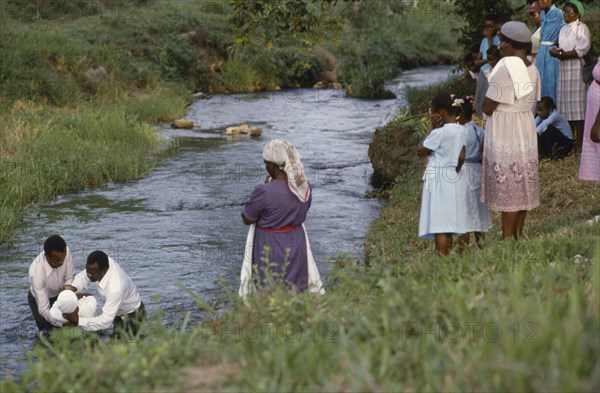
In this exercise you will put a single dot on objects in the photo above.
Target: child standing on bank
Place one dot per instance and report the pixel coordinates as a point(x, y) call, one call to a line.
point(477, 214)
point(443, 201)
point(490, 38)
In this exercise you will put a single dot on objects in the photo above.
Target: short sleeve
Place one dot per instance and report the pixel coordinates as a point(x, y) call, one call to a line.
point(255, 204)
point(582, 46)
point(483, 47)
point(433, 140)
point(500, 88)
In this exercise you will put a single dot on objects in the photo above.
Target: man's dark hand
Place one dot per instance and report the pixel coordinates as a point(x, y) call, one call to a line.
point(73, 317)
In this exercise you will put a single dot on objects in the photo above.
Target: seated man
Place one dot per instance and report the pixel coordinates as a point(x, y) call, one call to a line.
point(555, 138)
point(122, 306)
point(50, 273)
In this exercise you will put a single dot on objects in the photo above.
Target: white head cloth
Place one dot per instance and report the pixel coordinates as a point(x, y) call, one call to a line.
point(87, 307)
point(284, 154)
point(67, 303)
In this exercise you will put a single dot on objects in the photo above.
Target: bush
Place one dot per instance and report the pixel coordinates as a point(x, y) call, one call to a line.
point(238, 74)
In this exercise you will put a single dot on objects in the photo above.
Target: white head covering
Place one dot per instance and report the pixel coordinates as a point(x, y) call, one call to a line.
point(284, 154)
point(67, 303)
point(87, 306)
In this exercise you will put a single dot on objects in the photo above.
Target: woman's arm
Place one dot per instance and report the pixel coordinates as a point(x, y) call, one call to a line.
point(489, 106)
point(247, 221)
point(564, 55)
point(595, 131)
point(422, 151)
point(480, 61)
point(461, 158)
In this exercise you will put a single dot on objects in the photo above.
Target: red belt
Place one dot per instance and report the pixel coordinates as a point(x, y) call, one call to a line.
point(284, 229)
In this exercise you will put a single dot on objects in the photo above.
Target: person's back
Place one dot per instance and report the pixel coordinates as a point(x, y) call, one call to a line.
point(445, 155)
point(279, 206)
point(118, 281)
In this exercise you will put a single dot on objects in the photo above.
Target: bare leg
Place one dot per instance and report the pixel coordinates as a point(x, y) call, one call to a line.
point(479, 237)
point(443, 243)
point(520, 223)
point(463, 241)
point(512, 224)
point(509, 225)
point(577, 128)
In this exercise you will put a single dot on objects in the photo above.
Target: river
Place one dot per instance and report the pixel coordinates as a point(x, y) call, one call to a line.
point(182, 221)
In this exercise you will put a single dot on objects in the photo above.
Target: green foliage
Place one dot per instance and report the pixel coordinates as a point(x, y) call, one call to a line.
point(177, 59)
point(138, 47)
point(368, 63)
point(237, 74)
point(271, 19)
point(109, 365)
point(31, 10)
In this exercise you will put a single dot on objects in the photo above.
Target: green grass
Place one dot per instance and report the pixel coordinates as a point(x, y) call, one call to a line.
point(47, 152)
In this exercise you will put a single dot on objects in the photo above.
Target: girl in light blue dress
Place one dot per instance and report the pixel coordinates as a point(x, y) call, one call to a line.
point(478, 216)
point(443, 203)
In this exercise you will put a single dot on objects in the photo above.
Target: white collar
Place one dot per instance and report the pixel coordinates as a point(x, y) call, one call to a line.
point(102, 283)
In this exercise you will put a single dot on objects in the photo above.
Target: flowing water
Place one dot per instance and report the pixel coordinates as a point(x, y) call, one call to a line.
point(181, 223)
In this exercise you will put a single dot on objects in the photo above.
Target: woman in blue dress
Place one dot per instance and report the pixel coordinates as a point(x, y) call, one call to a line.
point(552, 21)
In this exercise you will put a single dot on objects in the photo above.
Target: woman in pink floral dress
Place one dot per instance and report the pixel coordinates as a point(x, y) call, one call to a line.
point(510, 156)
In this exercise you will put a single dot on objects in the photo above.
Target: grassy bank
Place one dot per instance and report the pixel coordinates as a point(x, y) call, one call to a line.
point(50, 151)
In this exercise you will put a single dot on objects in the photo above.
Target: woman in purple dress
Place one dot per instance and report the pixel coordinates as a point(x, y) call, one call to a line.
point(278, 209)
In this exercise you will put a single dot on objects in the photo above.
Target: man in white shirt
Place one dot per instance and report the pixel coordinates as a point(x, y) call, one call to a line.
point(122, 306)
point(50, 273)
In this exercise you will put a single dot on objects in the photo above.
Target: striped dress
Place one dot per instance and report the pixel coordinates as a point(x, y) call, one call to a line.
point(570, 90)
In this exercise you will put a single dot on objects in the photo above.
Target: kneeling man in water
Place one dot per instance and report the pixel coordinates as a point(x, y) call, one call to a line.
point(122, 306)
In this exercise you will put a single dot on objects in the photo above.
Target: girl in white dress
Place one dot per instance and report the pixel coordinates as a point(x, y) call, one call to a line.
point(443, 202)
